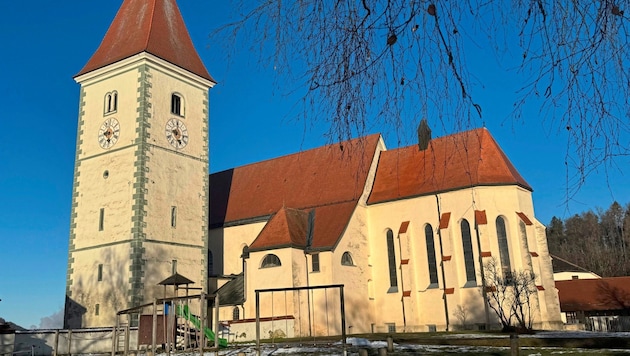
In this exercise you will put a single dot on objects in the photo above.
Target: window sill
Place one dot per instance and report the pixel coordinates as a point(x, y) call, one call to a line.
point(392, 290)
point(470, 284)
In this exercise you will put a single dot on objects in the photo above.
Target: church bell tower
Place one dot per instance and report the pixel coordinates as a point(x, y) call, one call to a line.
point(140, 192)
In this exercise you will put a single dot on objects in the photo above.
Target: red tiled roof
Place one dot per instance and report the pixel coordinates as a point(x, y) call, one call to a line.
point(153, 26)
point(594, 294)
point(288, 227)
point(322, 176)
point(462, 160)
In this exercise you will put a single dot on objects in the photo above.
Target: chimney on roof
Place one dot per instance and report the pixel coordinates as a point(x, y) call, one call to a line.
point(424, 135)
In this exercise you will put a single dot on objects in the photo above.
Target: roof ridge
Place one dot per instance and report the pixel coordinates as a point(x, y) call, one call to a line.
point(151, 18)
point(362, 138)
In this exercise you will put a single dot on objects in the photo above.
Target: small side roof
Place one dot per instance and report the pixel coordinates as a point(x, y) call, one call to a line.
point(467, 159)
point(600, 294)
point(152, 26)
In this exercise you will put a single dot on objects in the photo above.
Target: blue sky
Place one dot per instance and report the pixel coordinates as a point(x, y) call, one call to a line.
point(46, 43)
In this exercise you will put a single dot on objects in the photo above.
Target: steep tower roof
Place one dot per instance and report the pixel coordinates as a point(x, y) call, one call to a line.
point(152, 26)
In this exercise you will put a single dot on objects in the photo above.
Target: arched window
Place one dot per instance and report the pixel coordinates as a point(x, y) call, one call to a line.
point(245, 253)
point(346, 259)
point(393, 279)
point(504, 252)
point(177, 104)
point(270, 261)
point(111, 102)
point(114, 101)
point(469, 260)
point(428, 235)
point(236, 313)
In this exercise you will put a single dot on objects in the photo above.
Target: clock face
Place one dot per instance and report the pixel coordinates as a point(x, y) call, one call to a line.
point(176, 133)
point(108, 133)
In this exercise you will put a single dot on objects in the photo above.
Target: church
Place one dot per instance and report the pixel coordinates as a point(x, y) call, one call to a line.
point(405, 231)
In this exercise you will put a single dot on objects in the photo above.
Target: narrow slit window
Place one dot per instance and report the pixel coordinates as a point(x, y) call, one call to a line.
point(174, 266)
point(114, 101)
point(469, 260)
point(433, 274)
point(173, 216)
point(97, 309)
point(101, 219)
point(391, 259)
point(504, 253)
point(315, 262)
point(99, 273)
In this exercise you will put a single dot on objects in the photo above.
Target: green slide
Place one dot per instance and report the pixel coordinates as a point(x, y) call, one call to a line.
point(185, 313)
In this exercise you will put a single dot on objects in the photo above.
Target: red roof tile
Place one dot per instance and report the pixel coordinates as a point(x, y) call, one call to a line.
point(462, 160)
point(594, 294)
point(153, 26)
point(322, 176)
point(288, 227)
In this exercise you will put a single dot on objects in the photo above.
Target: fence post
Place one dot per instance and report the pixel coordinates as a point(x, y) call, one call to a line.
point(56, 349)
point(216, 322)
point(154, 328)
point(69, 342)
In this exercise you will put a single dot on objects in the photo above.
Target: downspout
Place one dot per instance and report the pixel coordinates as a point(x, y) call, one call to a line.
point(439, 231)
point(484, 290)
point(244, 257)
point(307, 249)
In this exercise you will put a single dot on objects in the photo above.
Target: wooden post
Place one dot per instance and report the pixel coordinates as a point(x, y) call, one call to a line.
point(257, 323)
point(202, 322)
point(514, 349)
point(56, 350)
point(127, 340)
point(114, 339)
point(69, 342)
point(390, 344)
point(154, 328)
point(216, 322)
point(343, 319)
point(115, 336)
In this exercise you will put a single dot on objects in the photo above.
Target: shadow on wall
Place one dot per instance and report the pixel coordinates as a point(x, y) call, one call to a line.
point(73, 315)
point(27, 343)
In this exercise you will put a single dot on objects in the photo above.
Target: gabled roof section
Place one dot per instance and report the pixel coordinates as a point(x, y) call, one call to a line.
point(471, 158)
point(288, 227)
point(152, 26)
point(323, 176)
point(291, 227)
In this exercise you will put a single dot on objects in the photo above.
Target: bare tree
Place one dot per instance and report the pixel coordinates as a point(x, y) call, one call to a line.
point(388, 63)
point(510, 295)
point(461, 313)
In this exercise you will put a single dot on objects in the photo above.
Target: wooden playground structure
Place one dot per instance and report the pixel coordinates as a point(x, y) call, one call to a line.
point(170, 322)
